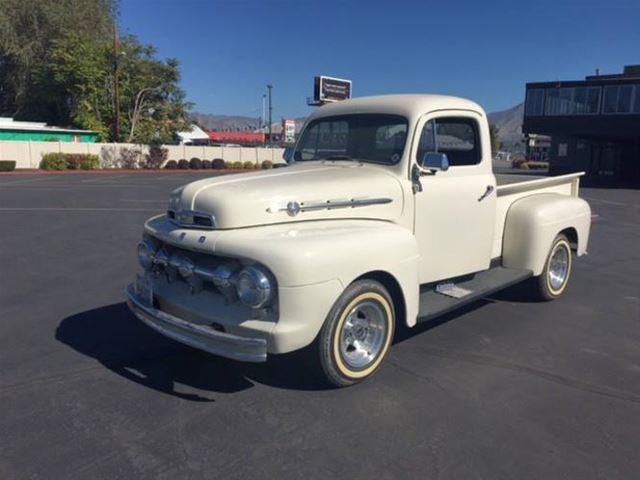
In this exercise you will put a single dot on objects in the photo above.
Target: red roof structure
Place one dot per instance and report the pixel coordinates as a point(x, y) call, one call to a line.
point(241, 138)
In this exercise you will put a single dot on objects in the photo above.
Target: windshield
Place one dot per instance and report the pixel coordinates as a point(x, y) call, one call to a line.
point(373, 138)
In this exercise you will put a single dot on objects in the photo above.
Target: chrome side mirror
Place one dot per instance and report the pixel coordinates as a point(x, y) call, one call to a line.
point(435, 162)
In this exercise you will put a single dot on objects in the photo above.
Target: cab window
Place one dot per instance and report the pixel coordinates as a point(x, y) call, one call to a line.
point(457, 137)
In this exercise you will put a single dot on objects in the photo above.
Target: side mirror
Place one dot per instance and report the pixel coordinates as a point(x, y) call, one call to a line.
point(288, 154)
point(436, 162)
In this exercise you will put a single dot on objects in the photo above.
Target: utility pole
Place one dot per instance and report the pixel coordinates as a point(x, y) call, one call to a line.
point(262, 119)
point(269, 86)
point(116, 85)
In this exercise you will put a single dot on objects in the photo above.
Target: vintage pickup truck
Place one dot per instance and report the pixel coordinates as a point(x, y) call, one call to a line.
point(388, 213)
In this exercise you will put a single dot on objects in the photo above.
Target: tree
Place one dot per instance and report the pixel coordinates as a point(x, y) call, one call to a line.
point(57, 62)
point(496, 144)
point(28, 29)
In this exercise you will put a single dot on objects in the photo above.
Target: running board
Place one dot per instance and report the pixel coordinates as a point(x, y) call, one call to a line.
point(481, 285)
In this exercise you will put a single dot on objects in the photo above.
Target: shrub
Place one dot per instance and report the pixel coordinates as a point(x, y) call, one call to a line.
point(53, 161)
point(206, 164)
point(171, 165)
point(108, 156)
point(249, 165)
point(90, 162)
point(129, 158)
point(74, 160)
point(195, 163)
point(7, 165)
point(517, 162)
point(537, 165)
point(235, 165)
point(218, 164)
point(183, 164)
point(156, 157)
point(266, 164)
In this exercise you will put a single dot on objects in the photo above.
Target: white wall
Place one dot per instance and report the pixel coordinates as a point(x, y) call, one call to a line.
point(29, 154)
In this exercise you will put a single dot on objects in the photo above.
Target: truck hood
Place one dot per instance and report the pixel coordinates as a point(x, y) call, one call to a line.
point(300, 192)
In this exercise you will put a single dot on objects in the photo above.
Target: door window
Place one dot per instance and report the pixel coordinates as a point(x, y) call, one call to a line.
point(455, 137)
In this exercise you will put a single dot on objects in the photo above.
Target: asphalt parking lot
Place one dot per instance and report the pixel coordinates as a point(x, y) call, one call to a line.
point(503, 389)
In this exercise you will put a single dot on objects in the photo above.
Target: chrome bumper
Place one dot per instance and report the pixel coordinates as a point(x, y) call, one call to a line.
point(198, 336)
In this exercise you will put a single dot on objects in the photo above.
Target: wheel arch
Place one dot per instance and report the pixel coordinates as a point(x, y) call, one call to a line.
point(393, 287)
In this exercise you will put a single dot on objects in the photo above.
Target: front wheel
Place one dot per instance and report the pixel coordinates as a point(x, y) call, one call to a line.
point(553, 280)
point(357, 333)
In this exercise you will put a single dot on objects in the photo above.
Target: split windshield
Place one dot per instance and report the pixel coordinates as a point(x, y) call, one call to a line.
point(375, 138)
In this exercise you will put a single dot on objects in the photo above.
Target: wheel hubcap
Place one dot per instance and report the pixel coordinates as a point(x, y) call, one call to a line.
point(558, 267)
point(363, 334)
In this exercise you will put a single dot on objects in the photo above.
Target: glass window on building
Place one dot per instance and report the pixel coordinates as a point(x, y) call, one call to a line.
point(624, 98)
point(593, 100)
point(535, 102)
point(579, 106)
point(636, 102)
point(559, 101)
point(610, 99)
point(618, 99)
point(586, 101)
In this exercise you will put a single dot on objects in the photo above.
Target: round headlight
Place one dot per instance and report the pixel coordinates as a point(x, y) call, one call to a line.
point(254, 287)
point(146, 252)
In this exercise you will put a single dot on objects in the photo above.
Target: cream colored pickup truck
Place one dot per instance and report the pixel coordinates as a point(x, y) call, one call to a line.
point(388, 213)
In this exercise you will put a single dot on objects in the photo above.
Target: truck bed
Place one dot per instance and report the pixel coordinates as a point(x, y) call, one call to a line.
point(514, 187)
point(509, 184)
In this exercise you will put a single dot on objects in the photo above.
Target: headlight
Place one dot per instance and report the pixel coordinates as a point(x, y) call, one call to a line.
point(254, 287)
point(146, 252)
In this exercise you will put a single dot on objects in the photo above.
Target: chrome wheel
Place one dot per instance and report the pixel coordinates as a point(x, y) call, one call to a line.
point(363, 334)
point(558, 270)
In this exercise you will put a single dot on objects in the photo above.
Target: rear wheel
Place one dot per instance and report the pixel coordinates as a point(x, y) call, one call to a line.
point(553, 280)
point(357, 333)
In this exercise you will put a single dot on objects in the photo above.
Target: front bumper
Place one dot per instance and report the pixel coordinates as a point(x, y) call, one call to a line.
point(198, 336)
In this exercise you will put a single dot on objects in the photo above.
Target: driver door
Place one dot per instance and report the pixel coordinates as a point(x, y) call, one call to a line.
point(454, 215)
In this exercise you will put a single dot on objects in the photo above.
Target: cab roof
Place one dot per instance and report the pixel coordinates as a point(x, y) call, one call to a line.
point(408, 105)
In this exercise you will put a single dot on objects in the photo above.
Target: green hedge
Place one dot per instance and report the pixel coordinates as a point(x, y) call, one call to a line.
point(7, 165)
point(69, 161)
point(53, 161)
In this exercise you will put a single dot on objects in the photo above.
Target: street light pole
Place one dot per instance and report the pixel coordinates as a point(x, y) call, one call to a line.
point(270, 110)
point(263, 119)
point(116, 85)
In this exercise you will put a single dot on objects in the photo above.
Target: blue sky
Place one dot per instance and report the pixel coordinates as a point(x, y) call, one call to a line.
point(229, 50)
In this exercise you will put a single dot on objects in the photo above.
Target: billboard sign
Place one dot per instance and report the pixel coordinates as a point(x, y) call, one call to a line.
point(288, 132)
point(329, 89)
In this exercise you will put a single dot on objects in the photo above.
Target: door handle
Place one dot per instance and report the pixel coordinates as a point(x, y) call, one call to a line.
point(486, 193)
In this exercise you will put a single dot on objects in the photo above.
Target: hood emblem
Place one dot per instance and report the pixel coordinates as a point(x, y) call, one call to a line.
point(293, 208)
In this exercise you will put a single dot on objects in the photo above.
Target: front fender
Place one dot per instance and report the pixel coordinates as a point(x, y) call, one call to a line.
point(533, 222)
point(308, 253)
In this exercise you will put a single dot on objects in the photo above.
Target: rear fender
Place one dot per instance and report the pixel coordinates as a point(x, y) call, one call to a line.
point(533, 222)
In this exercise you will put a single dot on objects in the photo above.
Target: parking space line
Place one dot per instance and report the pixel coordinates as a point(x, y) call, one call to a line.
point(23, 181)
point(103, 180)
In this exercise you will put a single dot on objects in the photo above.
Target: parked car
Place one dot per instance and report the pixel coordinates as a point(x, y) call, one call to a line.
point(388, 214)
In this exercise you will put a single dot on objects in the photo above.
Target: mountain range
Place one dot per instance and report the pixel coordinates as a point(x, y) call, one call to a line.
point(509, 123)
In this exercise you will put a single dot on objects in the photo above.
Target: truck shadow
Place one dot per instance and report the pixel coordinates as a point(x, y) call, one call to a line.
point(127, 347)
